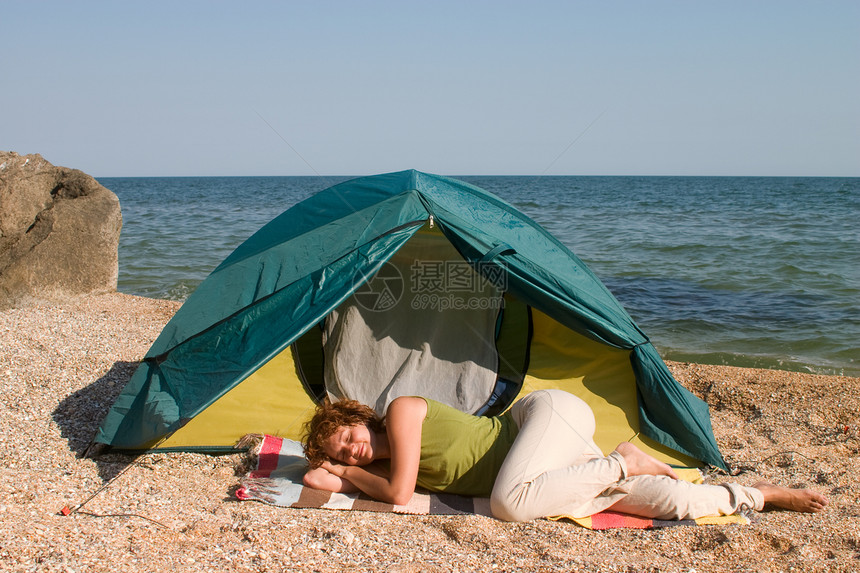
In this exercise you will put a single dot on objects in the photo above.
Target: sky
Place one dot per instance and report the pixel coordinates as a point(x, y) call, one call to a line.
point(154, 88)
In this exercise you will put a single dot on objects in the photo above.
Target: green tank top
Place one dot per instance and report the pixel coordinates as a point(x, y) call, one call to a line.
point(461, 453)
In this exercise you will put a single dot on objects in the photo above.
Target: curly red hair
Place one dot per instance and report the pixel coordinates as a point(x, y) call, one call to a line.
point(328, 417)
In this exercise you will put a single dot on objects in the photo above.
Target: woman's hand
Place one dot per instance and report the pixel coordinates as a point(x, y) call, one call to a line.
point(327, 480)
point(334, 469)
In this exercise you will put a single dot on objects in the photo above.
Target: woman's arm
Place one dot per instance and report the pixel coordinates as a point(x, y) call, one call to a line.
point(403, 426)
point(325, 477)
point(321, 478)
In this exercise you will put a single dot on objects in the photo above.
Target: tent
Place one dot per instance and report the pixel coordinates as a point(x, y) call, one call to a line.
point(393, 284)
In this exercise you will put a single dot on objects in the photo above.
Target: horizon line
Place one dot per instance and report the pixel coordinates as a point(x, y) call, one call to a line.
point(535, 175)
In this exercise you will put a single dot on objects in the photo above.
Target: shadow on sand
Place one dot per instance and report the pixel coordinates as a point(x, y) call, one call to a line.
point(80, 414)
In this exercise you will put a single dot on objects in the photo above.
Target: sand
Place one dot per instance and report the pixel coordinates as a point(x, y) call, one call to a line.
point(62, 365)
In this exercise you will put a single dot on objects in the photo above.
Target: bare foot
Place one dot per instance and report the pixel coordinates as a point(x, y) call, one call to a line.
point(804, 500)
point(641, 464)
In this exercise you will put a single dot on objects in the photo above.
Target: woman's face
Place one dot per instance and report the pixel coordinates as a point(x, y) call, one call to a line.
point(351, 445)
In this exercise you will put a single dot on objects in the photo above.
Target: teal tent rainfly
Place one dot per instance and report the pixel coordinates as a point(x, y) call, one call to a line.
point(400, 283)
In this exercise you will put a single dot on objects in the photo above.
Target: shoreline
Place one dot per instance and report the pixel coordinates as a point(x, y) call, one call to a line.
point(61, 365)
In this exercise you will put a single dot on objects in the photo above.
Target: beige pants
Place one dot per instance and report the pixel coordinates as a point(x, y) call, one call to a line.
point(555, 468)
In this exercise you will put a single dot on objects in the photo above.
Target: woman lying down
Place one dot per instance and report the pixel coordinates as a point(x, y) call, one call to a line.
point(537, 460)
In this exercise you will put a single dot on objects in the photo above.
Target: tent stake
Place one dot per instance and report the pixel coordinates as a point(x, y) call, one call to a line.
point(68, 511)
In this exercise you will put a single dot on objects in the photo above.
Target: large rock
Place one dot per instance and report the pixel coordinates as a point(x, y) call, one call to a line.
point(59, 232)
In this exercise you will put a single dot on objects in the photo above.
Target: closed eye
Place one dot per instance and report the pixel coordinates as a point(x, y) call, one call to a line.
point(344, 450)
point(348, 449)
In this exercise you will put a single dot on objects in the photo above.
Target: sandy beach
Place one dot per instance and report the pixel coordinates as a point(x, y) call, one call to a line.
point(62, 365)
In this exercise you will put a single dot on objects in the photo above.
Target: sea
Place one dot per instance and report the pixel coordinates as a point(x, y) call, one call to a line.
point(746, 271)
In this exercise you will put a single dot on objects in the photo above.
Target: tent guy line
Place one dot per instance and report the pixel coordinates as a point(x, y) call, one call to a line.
point(299, 155)
point(288, 143)
point(572, 143)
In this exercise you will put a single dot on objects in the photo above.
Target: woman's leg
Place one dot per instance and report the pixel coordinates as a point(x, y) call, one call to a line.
point(554, 467)
point(661, 497)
